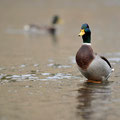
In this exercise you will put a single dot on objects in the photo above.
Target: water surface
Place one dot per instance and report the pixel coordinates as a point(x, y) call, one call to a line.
point(39, 78)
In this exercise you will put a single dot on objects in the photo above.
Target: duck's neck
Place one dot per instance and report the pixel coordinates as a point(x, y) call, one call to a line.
point(87, 39)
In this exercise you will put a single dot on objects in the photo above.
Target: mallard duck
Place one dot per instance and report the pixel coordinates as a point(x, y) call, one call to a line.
point(51, 29)
point(90, 64)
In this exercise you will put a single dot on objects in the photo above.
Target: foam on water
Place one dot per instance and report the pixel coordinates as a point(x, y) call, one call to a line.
point(58, 65)
point(45, 73)
point(9, 78)
point(28, 77)
point(72, 59)
point(59, 76)
point(22, 66)
point(114, 59)
point(36, 65)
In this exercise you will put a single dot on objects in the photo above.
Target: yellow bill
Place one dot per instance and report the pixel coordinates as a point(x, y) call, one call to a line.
point(60, 21)
point(82, 32)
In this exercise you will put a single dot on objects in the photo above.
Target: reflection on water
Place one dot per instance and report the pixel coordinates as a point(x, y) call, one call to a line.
point(54, 38)
point(33, 34)
point(92, 99)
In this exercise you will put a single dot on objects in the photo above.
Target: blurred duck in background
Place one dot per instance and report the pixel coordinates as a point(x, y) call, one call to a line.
point(33, 28)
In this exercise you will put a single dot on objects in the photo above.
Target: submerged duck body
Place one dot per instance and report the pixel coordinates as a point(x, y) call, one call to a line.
point(39, 29)
point(90, 64)
point(50, 29)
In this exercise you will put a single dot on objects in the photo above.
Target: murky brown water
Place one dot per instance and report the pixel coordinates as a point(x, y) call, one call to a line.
point(38, 75)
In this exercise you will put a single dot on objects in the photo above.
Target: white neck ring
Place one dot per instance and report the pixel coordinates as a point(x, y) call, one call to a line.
point(86, 43)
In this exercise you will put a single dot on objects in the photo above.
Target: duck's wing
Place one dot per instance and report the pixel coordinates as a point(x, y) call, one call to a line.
point(106, 61)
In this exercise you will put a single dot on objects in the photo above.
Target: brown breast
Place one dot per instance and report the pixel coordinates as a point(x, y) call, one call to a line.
point(84, 56)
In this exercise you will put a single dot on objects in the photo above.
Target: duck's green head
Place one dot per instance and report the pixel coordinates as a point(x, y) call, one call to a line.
point(57, 20)
point(85, 33)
